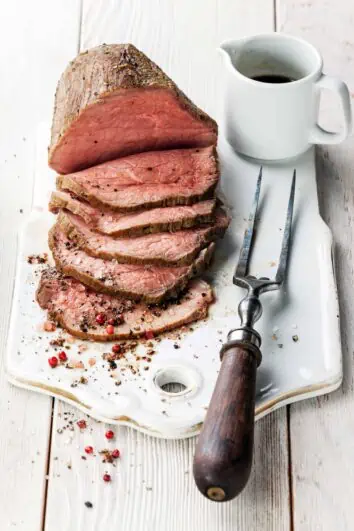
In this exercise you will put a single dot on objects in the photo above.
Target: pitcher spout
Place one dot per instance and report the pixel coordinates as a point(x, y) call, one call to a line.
point(229, 51)
point(225, 50)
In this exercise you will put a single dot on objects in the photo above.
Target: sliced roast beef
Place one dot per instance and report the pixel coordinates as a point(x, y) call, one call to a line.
point(139, 282)
point(163, 248)
point(75, 307)
point(107, 221)
point(155, 178)
point(112, 101)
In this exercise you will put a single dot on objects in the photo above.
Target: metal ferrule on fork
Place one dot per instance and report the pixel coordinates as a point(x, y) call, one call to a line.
point(249, 310)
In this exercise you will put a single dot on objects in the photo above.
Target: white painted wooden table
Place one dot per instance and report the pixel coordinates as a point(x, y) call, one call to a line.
point(303, 475)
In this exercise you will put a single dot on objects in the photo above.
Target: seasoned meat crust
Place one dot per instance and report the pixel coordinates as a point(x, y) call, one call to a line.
point(75, 307)
point(112, 101)
point(150, 283)
point(163, 248)
point(146, 180)
point(112, 223)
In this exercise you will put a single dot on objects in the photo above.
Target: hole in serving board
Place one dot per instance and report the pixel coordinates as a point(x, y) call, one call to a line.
point(175, 381)
point(173, 387)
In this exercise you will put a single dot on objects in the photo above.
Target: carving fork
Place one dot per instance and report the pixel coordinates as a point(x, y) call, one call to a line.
point(223, 456)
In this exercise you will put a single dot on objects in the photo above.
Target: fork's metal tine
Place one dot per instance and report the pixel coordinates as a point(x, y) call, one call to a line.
point(242, 266)
point(284, 254)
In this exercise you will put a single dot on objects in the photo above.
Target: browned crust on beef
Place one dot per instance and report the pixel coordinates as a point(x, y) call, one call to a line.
point(66, 183)
point(102, 71)
point(200, 313)
point(73, 233)
point(93, 335)
point(57, 203)
point(196, 268)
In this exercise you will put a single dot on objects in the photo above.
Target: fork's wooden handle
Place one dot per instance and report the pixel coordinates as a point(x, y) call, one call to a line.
point(223, 456)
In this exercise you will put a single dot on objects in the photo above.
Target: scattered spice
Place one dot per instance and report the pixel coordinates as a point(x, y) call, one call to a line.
point(49, 326)
point(92, 362)
point(82, 348)
point(110, 329)
point(37, 258)
point(53, 362)
point(107, 456)
point(89, 449)
point(100, 319)
point(116, 348)
point(82, 424)
point(88, 504)
point(62, 356)
point(106, 478)
point(116, 453)
point(280, 345)
point(109, 434)
point(58, 342)
point(295, 339)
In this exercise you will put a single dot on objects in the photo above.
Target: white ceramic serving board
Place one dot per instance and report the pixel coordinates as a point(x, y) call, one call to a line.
point(307, 307)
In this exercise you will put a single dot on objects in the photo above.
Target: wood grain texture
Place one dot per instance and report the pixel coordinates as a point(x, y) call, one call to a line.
point(153, 488)
point(30, 59)
point(321, 435)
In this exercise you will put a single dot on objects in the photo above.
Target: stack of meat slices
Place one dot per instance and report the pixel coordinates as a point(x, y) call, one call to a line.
point(137, 212)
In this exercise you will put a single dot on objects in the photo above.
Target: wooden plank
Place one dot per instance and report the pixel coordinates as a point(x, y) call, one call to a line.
point(321, 435)
point(152, 485)
point(181, 37)
point(30, 61)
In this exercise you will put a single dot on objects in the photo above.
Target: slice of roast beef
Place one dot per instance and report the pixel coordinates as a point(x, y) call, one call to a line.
point(139, 282)
point(106, 221)
point(155, 178)
point(163, 248)
point(75, 307)
point(112, 101)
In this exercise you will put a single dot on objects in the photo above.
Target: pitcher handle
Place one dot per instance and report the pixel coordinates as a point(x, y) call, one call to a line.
point(318, 134)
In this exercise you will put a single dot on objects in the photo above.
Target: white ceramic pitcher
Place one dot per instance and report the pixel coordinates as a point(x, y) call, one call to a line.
point(270, 120)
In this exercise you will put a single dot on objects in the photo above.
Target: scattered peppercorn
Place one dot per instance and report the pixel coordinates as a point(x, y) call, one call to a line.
point(62, 356)
point(53, 362)
point(106, 478)
point(88, 449)
point(109, 434)
point(49, 326)
point(100, 318)
point(116, 349)
point(295, 339)
point(89, 504)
